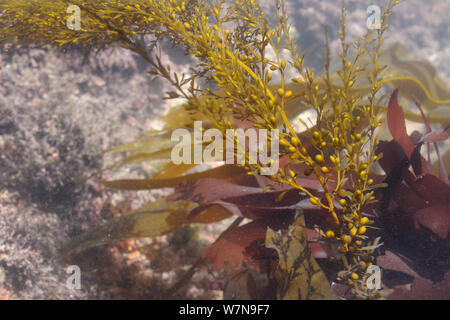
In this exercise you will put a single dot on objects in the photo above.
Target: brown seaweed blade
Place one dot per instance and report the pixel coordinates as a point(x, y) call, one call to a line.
point(299, 276)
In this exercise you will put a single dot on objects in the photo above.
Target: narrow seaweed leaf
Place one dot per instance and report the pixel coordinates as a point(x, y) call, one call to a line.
point(155, 219)
point(397, 125)
point(434, 136)
point(222, 172)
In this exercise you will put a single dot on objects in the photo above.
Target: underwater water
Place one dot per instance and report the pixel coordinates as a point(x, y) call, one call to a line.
point(60, 109)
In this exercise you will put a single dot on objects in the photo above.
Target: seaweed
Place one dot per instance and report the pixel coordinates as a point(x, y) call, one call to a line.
point(325, 191)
